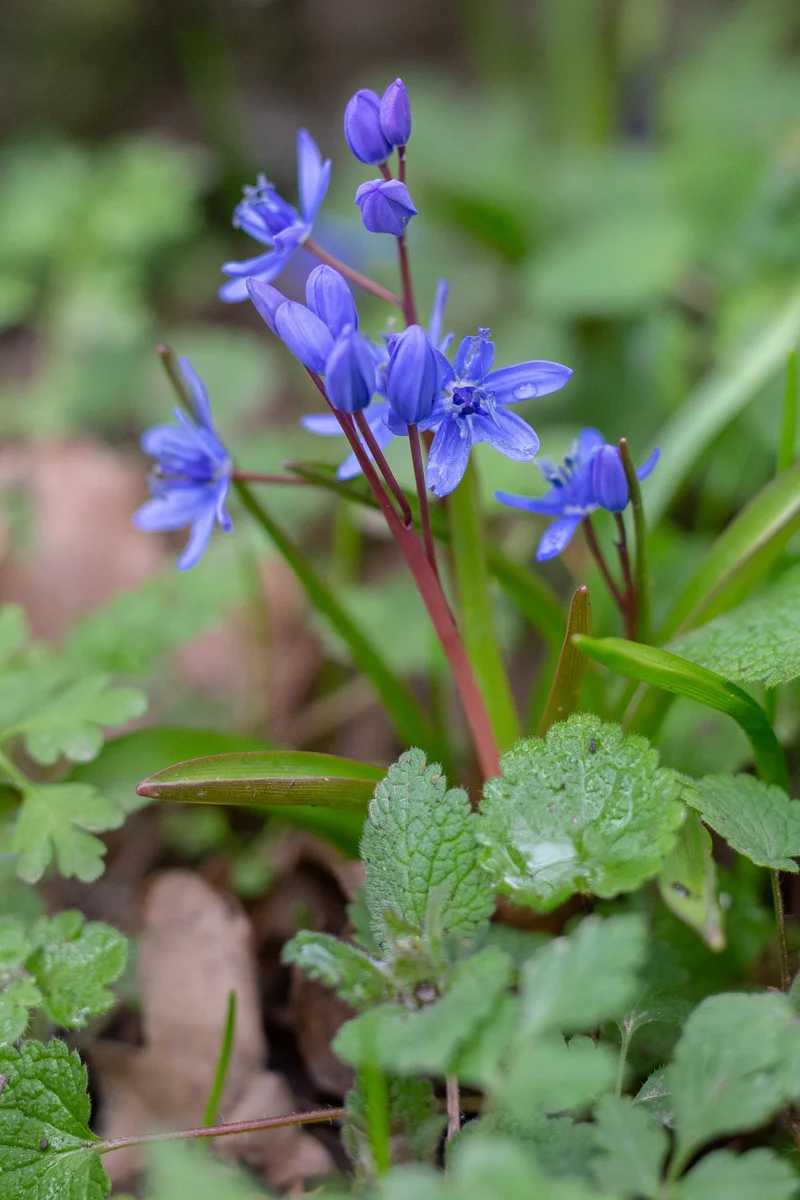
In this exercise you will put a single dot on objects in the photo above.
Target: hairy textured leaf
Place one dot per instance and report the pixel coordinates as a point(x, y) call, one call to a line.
point(73, 963)
point(59, 820)
point(71, 723)
point(46, 1149)
point(573, 983)
point(757, 819)
point(484, 1166)
point(420, 839)
point(727, 1176)
point(632, 1148)
point(429, 1039)
point(758, 642)
point(588, 809)
point(357, 978)
point(17, 998)
point(549, 1075)
point(737, 1063)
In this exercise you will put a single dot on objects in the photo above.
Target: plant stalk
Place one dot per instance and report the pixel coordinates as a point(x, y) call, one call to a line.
point(363, 281)
point(386, 471)
point(642, 568)
point(260, 477)
point(630, 588)
point(453, 1106)
point(315, 1117)
point(780, 922)
point(599, 558)
point(422, 494)
point(409, 305)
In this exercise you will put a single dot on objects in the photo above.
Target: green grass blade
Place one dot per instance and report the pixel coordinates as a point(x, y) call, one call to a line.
point(716, 401)
point(741, 555)
point(476, 622)
point(565, 693)
point(787, 449)
point(397, 698)
point(664, 670)
point(223, 1062)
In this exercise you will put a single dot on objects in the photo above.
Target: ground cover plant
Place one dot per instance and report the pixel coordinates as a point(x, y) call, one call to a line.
point(570, 967)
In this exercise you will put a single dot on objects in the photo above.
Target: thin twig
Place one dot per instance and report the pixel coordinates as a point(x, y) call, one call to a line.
point(409, 306)
point(453, 1106)
point(422, 495)
point(630, 589)
point(386, 471)
point(363, 281)
point(780, 921)
point(597, 555)
point(316, 1117)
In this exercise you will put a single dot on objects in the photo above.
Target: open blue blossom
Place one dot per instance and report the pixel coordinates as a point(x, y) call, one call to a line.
point(271, 220)
point(326, 425)
point(192, 477)
point(472, 407)
point(591, 477)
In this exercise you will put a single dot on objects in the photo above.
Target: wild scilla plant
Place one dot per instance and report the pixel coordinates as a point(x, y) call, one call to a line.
point(617, 1057)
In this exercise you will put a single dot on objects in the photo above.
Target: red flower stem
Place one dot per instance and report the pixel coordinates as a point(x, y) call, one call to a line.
point(384, 468)
point(401, 159)
point(363, 281)
point(409, 307)
point(630, 589)
point(316, 1117)
point(597, 555)
point(259, 477)
point(422, 495)
point(385, 171)
point(430, 589)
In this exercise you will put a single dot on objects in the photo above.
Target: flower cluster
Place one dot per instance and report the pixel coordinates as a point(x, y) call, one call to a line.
point(375, 126)
point(591, 477)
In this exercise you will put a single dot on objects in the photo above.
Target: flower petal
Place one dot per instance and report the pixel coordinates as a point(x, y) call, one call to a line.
point(437, 312)
point(557, 537)
point(175, 509)
point(474, 358)
point(448, 457)
point(588, 442)
point(199, 392)
point(507, 433)
point(526, 380)
point(313, 176)
point(308, 338)
point(323, 424)
point(202, 527)
point(547, 506)
point(648, 467)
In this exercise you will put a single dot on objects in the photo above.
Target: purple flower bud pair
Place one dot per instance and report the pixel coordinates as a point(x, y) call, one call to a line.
point(323, 335)
point(374, 125)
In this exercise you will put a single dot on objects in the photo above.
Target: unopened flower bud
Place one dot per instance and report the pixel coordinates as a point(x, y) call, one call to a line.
point(350, 373)
point(308, 338)
point(267, 300)
point(609, 485)
point(362, 127)
point(412, 376)
point(386, 206)
point(329, 297)
point(395, 113)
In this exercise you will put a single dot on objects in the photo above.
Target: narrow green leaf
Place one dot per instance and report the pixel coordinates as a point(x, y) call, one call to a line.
point(586, 810)
point(673, 674)
point(716, 401)
point(741, 556)
point(267, 778)
point(397, 698)
point(565, 693)
point(787, 451)
point(223, 1062)
point(688, 882)
point(754, 818)
point(475, 608)
point(758, 642)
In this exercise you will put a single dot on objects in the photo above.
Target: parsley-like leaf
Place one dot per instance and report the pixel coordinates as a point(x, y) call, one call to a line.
point(46, 1148)
point(588, 809)
point(59, 819)
point(633, 1149)
point(726, 1176)
point(757, 819)
point(71, 723)
point(419, 846)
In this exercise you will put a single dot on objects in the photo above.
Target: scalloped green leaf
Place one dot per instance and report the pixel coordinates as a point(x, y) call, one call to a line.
point(587, 809)
point(757, 819)
point(58, 820)
point(359, 979)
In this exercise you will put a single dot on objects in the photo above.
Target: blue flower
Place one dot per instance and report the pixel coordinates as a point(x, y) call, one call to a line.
point(591, 477)
point(412, 375)
point(396, 114)
point(192, 477)
point(362, 128)
point(271, 220)
point(472, 407)
point(326, 425)
point(386, 206)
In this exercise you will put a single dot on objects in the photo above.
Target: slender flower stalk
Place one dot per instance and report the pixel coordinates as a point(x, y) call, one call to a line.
point(409, 305)
point(363, 281)
point(642, 568)
point(629, 614)
point(599, 558)
point(384, 468)
point(422, 494)
point(261, 477)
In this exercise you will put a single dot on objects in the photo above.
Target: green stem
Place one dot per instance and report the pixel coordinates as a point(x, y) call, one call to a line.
point(641, 569)
point(780, 922)
point(627, 1034)
point(12, 772)
point(316, 1117)
point(376, 1104)
point(223, 1062)
point(786, 451)
point(631, 606)
point(475, 607)
point(398, 700)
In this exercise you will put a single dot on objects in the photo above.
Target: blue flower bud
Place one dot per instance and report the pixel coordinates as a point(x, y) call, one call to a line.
point(386, 206)
point(412, 376)
point(350, 377)
point(329, 297)
point(267, 300)
point(396, 114)
point(308, 338)
point(362, 128)
point(609, 485)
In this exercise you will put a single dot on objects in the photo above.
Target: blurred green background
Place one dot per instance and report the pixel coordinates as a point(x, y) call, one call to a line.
point(611, 183)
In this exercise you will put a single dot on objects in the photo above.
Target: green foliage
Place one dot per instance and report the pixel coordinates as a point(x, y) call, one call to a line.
point(185, 1172)
point(358, 979)
point(46, 1147)
point(63, 964)
point(588, 809)
point(756, 819)
point(688, 881)
point(726, 1176)
point(758, 642)
point(59, 821)
point(632, 1148)
point(420, 844)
